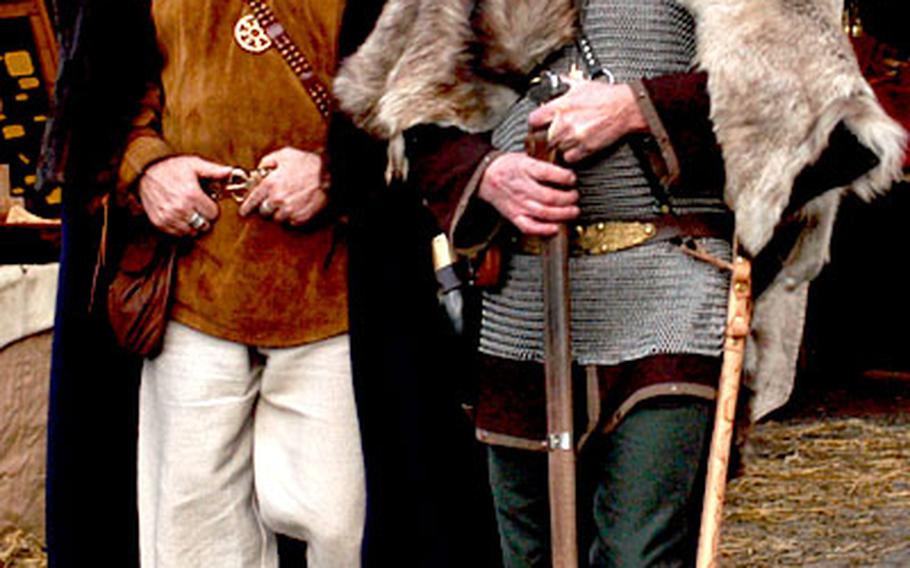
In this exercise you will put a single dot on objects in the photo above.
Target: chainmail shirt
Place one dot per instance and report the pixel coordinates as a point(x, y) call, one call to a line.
point(648, 300)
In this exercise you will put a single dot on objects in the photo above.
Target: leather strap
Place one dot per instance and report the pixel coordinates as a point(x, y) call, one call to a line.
point(298, 62)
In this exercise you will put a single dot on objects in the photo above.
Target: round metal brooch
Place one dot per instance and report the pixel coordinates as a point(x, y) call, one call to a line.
point(250, 36)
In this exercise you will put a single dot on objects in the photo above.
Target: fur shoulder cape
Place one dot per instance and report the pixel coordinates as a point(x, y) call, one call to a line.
point(781, 76)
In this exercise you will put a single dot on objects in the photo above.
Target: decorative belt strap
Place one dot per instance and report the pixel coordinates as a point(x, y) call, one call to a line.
point(604, 237)
point(249, 37)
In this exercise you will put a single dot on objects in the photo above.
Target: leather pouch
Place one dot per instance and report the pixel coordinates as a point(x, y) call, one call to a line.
point(140, 292)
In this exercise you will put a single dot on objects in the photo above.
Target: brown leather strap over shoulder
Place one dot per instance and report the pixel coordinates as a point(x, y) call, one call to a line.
point(298, 62)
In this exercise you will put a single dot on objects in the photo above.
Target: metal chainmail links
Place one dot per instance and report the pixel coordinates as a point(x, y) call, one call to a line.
point(638, 302)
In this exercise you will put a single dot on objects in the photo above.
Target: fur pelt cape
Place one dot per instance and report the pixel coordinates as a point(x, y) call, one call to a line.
point(781, 76)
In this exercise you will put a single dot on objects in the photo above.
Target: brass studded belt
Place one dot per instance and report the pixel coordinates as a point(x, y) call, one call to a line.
point(604, 237)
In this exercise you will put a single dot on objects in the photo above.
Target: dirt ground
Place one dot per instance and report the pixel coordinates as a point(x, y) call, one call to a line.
point(827, 483)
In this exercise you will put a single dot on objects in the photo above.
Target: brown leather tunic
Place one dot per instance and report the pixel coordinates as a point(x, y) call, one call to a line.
point(249, 279)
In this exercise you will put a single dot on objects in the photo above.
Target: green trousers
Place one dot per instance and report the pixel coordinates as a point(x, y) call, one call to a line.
point(640, 491)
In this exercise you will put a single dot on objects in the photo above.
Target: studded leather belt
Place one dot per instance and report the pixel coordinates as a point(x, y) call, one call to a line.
point(604, 237)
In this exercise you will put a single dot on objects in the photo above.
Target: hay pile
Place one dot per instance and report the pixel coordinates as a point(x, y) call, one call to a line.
point(828, 492)
point(21, 550)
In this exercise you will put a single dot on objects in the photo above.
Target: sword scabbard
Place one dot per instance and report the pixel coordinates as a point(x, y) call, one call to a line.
point(558, 371)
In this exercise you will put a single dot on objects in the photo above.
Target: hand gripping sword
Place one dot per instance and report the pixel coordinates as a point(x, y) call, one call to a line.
point(558, 357)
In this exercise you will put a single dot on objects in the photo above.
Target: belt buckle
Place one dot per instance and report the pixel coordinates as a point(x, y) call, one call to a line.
point(240, 183)
point(612, 236)
point(603, 237)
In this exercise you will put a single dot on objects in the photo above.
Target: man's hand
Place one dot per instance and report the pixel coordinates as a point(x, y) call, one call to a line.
point(294, 192)
point(589, 117)
point(524, 191)
point(172, 197)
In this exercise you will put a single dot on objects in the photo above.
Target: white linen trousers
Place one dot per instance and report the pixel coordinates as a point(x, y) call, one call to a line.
point(237, 443)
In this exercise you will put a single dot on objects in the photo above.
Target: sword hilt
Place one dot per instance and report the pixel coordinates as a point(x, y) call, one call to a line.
point(546, 87)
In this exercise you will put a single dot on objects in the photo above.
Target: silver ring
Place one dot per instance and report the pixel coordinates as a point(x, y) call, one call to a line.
point(196, 221)
point(266, 208)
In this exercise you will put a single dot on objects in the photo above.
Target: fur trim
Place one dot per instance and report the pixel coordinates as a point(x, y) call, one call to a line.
point(518, 35)
point(782, 75)
point(447, 62)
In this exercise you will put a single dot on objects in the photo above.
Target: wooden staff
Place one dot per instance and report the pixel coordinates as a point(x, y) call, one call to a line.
point(738, 318)
point(557, 365)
